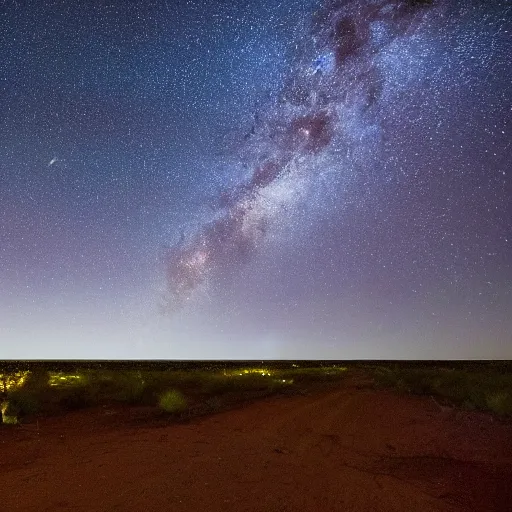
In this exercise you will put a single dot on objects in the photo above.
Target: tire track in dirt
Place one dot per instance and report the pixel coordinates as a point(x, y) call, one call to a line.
point(316, 431)
point(337, 450)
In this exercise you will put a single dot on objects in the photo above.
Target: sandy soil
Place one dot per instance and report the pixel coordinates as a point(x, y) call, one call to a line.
point(347, 449)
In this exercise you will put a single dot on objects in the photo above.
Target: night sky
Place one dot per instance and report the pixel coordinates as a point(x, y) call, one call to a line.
point(255, 179)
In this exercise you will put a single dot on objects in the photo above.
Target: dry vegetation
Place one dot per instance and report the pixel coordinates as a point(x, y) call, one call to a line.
point(181, 394)
point(178, 394)
point(475, 389)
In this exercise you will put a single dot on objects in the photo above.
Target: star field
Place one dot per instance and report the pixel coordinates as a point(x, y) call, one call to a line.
point(299, 179)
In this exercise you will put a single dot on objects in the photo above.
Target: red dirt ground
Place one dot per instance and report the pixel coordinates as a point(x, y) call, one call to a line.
point(347, 449)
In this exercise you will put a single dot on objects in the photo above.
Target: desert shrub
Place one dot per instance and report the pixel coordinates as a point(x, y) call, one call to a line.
point(499, 402)
point(172, 401)
point(9, 415)
point(10, 408)
point(22, 402)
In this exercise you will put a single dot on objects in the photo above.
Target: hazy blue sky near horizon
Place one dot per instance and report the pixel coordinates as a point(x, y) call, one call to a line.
point(255, 179)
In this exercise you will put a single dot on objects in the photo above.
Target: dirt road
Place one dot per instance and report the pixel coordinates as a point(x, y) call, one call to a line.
point(348, 449)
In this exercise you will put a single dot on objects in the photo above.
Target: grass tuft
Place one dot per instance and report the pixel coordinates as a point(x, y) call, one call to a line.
point(499, 402)
point(172, 401)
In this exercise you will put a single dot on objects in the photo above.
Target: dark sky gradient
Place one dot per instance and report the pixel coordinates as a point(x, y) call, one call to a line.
point(255, 179)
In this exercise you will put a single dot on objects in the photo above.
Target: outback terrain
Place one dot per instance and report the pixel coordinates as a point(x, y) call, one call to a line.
point(345, 447)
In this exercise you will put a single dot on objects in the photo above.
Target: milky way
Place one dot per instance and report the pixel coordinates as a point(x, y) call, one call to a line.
point(330, 101)
point(256, 179)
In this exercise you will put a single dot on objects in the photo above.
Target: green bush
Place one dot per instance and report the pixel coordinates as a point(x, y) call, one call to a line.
point(172, 401)
point(10, 409)
point(22, 402)
point(499, 402)
point(9, 416)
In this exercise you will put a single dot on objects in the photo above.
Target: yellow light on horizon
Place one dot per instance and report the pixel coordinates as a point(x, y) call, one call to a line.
point(59, 379)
